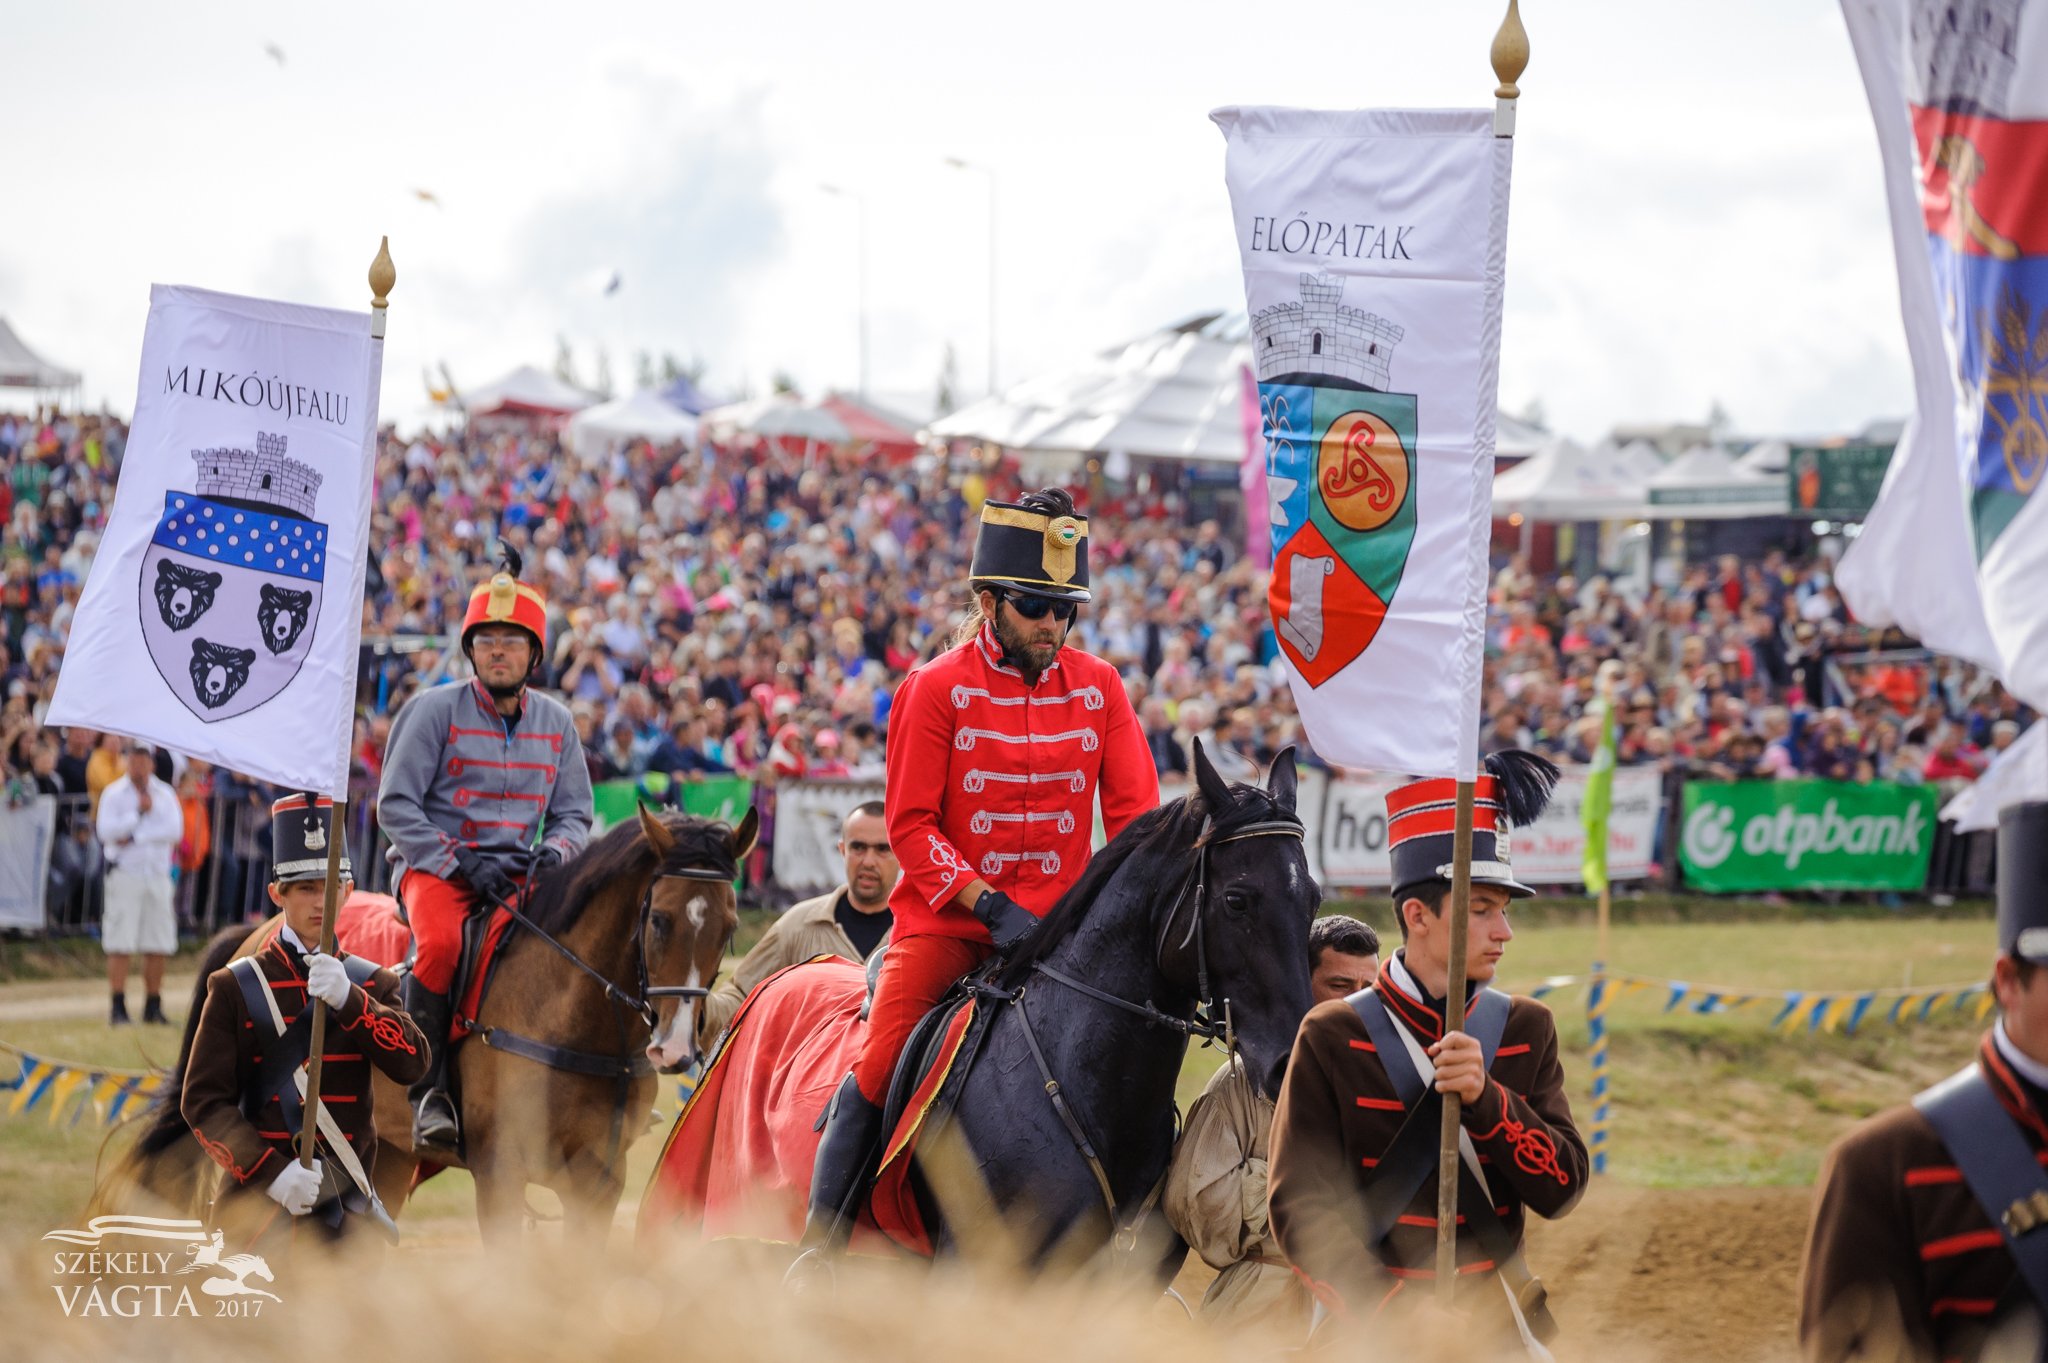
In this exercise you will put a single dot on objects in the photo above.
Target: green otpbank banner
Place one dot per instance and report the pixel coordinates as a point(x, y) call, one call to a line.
point(1806, 835)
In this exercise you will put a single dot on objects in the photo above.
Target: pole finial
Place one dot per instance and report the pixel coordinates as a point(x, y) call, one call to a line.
point(1510, 52)
point(383, 274)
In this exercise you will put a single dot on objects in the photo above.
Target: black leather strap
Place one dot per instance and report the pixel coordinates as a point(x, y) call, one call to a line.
point(562, 1058)
point(287, 1050)
point(1486, 1022)
point(1998, 1166)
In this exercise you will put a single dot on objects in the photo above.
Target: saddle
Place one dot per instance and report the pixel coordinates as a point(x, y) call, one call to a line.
point(923, 1095)
point(475, 965)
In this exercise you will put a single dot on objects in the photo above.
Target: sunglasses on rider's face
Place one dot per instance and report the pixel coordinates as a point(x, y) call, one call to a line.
point(1038, 607)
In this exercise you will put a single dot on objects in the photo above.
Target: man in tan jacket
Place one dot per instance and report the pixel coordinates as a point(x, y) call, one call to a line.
point(852, 921)
point(1216, 1186)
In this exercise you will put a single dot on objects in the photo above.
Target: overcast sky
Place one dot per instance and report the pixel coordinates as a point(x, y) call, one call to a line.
point(1697, 210)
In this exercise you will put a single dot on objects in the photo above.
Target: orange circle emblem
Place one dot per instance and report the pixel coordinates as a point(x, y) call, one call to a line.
point(1362, 471)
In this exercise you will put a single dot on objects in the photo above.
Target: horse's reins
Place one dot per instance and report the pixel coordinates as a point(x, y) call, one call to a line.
point(641, 1004)
point(1212, 1021)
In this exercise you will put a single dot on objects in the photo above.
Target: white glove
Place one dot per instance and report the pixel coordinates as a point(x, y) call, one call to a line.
point(326, 978)
point(295, 1187)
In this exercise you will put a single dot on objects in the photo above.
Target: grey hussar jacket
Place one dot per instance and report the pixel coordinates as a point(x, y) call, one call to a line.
point(455, 774)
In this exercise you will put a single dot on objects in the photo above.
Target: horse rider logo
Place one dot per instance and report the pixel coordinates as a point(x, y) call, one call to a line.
point(232, 1272)
point(232, 580)
point(1340, 467)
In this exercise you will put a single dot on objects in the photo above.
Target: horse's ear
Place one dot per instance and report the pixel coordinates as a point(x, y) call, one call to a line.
point(1280, 782)
point(744, 835)
point(1215, 790)
point(657, 834)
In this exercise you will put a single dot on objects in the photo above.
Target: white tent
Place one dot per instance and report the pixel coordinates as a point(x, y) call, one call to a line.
point(1638, 462)
point(1766, 457)
point(21, 367)
point(641, 415)
point(1175, 394)
point(779, 414)
point(1705, 483)
point(1514, 438)
point(527, 389)
point(1564, 481)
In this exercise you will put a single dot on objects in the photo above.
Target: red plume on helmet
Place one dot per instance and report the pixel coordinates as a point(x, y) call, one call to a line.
point(505, 600)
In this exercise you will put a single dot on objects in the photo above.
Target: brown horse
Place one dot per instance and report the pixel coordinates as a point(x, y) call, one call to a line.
point(558, 1079)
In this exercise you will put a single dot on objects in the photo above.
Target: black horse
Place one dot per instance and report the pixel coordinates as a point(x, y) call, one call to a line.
point(1193, 922)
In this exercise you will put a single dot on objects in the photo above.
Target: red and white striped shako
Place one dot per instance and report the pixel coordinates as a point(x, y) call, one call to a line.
point(1422, 821)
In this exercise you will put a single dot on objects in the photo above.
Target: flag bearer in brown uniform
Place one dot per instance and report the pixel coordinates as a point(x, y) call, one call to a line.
point(1930, 1226)
point(1354, 1150)
point(242, 1093)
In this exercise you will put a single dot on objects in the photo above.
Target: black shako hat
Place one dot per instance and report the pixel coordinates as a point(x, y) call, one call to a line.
point(300, 826)
point(1422, 821)
point(2023, 881)
point(1035, 546)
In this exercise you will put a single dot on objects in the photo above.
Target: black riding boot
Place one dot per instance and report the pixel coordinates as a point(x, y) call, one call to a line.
point(846, 1154)
point(434, 1124)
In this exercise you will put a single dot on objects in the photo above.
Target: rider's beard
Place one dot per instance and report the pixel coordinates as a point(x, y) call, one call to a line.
point(1019, 648)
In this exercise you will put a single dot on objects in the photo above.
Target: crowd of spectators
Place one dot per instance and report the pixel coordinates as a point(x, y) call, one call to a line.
point(750, 608)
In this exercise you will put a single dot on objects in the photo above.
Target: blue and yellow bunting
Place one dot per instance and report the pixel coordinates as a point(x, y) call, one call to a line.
point(1793, 1010)
point(64, 1088)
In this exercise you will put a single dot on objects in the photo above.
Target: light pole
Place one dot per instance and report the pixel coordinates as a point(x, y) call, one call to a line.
point(860, 205)
point(990, 171)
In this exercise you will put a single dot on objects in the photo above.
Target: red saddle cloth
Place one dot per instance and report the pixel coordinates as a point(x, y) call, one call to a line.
point(738, 1161)
point(368, 925)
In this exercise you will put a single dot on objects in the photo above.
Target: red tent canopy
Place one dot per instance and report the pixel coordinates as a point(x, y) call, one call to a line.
point(890, 433)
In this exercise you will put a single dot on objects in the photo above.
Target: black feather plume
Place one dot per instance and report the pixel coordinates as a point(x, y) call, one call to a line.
point(1523, 782)
point(510, 560)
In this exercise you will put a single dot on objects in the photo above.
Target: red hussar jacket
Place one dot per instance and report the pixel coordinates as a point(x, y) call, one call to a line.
point(992, 779)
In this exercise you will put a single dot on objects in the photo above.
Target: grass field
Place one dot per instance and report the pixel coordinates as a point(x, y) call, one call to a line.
point(1699, 1101)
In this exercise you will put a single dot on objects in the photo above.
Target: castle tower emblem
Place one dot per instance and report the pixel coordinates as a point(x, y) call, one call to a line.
point(231, 585)
point(1321, 337)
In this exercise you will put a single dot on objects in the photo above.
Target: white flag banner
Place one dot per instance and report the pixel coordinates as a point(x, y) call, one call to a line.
point(1374, 246)
point(1955, 550)
point(224, 608)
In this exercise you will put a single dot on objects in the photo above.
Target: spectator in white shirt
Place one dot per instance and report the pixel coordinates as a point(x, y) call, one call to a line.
point(139, 824)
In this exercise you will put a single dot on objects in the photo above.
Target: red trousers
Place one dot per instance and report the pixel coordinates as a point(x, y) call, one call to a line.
point(436, 909)
point(916, 973)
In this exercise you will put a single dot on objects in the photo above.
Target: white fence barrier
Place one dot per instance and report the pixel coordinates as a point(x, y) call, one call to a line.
point(1345, 821)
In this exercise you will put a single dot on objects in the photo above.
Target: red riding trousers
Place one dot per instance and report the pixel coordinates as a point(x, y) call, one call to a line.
point(436, 908)
point(916, 972)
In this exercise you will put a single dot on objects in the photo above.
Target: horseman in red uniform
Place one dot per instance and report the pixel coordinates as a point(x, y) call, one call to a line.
point(998, 749)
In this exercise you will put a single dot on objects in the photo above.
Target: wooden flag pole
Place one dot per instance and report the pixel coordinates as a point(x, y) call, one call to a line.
point(1460, 914)
point(382, 276)
point(1510, 58)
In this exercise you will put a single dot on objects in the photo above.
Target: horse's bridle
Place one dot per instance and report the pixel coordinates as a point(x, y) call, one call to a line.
point(649, 993)
point(1212, 1018)
point(1211, 1021)
point(639, 1003)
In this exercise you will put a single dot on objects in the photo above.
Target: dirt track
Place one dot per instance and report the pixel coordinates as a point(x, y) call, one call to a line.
point(1674, 1276)
point(1706, 1274)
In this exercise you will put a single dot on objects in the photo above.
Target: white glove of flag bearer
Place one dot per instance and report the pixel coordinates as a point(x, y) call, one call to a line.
point(326, 978)
point(296, 1187)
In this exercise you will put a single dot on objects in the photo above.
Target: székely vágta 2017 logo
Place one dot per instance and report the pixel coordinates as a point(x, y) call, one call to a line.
point(111, 1270)
point(230, 589)
point(1340, 473)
